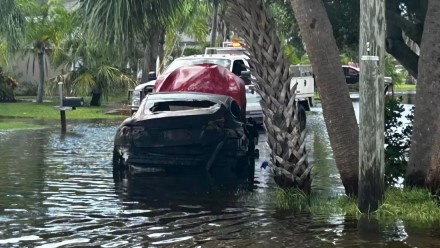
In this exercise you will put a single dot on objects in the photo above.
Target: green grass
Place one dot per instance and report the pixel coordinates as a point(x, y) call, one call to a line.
point(417, 205)
point(405, 87)
point(47, 111)
point(18, 126)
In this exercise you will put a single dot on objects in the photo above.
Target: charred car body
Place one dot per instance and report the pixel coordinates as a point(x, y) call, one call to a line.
point(193, 118)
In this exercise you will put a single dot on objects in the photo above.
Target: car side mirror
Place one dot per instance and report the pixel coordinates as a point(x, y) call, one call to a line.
point(246, 77)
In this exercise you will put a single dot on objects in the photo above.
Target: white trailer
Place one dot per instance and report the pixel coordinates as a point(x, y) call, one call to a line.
point(305, 84)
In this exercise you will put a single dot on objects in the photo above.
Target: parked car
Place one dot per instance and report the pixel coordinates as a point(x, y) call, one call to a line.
point(180, 130)
point(351, 74)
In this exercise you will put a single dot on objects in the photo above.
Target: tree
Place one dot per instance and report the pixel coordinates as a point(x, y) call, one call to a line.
point(316, 32)
point(46, 26)
point(343, 15)
point(433, 179)
point(192, 21)
point(285, 138)
point(11, 30)
point(12, 21)
point(405, 20)
point(128, 24)
point(423, 159)
point(93, 68)
point(215, 5)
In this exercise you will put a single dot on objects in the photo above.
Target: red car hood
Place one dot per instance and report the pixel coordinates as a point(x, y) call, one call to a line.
point(205, 78)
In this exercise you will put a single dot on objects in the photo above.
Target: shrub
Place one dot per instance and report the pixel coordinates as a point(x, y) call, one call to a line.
point(397, 140)
point(7, 86)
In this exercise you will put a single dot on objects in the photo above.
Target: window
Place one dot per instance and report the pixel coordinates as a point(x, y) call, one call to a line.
point(196, 61)
point(238, 67)
point(352, 72)
point(177, 105)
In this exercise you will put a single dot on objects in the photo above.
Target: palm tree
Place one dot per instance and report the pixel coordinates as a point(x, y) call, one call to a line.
point(271, 68)
point(91, 67)
point(12, 21)
point(317, 34)
point(424, 160)
point(46, 26)
point(127, 24)
point(191, 20)
point(11, 30)
point(215, 6)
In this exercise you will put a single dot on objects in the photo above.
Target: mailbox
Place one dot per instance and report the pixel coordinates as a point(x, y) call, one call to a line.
point(73, 102)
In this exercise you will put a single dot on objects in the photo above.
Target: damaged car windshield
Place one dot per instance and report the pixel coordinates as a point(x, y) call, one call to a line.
point(195, 61)
point(161, 106)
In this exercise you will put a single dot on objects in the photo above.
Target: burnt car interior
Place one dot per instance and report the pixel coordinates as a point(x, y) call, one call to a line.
point(180, 105)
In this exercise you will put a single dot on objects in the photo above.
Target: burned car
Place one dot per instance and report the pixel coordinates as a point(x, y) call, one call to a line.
point(176, 130)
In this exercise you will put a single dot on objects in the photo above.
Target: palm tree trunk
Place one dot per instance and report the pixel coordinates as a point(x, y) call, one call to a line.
point(342, 128)
point(96, 98)
point(433, 178)
point(40, 91)
point(151, 43)
point(146, 62)
point(214, 23)
point(426, 129)
point(161, 50)
point(285, 138)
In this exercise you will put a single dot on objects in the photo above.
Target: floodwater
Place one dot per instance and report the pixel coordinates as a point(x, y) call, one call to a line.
point(59, 192)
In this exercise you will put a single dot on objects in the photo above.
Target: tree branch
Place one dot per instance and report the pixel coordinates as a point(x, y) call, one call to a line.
point(407, 57)
point(412, 30)
point(394, 43)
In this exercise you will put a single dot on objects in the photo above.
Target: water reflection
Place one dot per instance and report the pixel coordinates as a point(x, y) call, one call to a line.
point(326, 178)
point(186, 190)
point(21, 178)
point(60, 192)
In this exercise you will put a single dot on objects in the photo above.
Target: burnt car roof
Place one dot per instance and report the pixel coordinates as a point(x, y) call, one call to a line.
point(222, 99)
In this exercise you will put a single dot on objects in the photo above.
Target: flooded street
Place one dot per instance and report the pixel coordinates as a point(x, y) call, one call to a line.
point(59, 192)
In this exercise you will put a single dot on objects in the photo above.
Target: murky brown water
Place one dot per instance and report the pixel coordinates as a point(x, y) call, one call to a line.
point(59, 192)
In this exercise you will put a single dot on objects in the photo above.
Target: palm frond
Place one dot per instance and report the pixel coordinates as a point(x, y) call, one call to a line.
point(122, 23)
point(83, 82)
point(4, 55)
point(12, 21)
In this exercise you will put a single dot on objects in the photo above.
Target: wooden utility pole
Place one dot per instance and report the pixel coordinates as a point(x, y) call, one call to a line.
point(371, 105)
